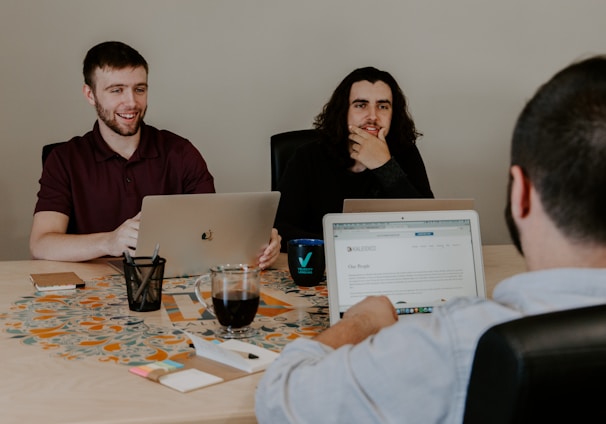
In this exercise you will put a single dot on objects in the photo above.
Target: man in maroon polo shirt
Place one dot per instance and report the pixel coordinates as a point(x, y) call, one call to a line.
point(92, 187)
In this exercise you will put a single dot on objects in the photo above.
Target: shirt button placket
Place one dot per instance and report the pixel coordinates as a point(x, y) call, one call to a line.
point(129, 182)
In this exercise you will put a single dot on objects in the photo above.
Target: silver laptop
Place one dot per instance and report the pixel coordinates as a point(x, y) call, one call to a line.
point(198, 231)
point(418, 259)
point(401, 205)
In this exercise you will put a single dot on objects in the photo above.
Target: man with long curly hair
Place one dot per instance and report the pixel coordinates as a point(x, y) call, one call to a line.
point(365, 149)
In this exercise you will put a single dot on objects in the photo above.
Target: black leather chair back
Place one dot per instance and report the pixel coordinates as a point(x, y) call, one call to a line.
point(47, 149)
point(283, 146)
point(548, 368)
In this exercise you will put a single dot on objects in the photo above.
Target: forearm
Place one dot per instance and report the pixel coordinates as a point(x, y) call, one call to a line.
point(314, 372)
point(360, 321)
point(69, 247)
point(311, 373)
point(299, 377)
point(349, 330)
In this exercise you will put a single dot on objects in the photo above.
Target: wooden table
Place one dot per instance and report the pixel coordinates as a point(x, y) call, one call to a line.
point(39, 386)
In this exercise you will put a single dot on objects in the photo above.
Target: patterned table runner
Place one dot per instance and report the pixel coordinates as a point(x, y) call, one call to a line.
point(96, 321)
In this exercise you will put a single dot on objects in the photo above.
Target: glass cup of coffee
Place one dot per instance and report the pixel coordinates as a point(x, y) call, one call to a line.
point(235, 292)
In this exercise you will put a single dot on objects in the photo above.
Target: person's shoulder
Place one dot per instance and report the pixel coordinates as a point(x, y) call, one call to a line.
point(311, 156)
point(169, 144)
point(404, 146)
point(167, 140)
point(405, 153)
point(76, 141)
point(162, 134)
point(313, 148)
point(77, 145)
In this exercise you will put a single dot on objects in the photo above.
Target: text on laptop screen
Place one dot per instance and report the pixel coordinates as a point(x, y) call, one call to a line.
point(415, 263)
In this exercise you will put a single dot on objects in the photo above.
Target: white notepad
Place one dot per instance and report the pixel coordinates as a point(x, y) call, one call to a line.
point(188, 380)
point(230, 353)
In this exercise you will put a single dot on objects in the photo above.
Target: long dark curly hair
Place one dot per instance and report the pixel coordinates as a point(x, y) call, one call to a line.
point(332, 121)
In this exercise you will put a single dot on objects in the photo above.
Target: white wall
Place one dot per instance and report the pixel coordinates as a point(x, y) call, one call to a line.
point(229, 73)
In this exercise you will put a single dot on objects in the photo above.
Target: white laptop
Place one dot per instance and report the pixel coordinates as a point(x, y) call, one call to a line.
point(198, 231)
point(400, 205)
point(418, 259)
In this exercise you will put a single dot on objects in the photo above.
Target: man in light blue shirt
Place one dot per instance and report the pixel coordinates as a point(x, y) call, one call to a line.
point(370, 367)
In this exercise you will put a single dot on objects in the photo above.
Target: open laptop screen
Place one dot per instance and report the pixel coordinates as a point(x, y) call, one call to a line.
point(418, 261)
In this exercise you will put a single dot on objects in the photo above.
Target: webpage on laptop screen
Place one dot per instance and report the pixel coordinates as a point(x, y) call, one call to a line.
point(417, 264)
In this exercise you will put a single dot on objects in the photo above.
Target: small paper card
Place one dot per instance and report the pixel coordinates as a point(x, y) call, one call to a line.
point(188, 380)
point(171, 374)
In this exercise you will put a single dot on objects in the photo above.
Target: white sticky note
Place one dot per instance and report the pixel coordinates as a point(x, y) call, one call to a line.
point(188, 380)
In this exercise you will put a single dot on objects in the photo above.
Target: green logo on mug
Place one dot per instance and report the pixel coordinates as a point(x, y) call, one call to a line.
point(305, 261)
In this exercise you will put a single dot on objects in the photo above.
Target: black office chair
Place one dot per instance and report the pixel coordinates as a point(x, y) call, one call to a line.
point(283, 146)
point(547, 368)
point(47, 149)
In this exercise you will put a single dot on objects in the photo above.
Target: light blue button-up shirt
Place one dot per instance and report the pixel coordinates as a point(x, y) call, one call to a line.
point(417, 370)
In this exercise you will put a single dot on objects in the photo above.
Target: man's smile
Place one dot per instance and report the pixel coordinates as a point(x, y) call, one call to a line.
point(128, 116)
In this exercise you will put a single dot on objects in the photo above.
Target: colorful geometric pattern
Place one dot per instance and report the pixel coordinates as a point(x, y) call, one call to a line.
point(96, 321)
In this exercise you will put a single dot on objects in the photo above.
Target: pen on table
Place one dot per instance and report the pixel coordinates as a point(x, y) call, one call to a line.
point(245, 355)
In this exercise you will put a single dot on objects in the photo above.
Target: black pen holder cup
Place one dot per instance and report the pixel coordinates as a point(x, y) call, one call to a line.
point(144, 283)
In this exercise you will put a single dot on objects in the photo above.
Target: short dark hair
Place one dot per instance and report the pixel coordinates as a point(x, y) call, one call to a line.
point(110, 54)
point(332, 121)
point(560, 144)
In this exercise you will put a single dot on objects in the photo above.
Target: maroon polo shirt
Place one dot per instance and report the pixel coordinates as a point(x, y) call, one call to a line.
point(99, 189)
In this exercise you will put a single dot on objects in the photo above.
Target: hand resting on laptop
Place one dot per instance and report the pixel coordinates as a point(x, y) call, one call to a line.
point(360, 321)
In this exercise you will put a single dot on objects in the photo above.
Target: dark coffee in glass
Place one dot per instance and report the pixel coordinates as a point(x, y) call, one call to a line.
point(235, 309)
point(235, 292)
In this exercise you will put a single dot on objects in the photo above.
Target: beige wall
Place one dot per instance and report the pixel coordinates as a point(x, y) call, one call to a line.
point(228, 74)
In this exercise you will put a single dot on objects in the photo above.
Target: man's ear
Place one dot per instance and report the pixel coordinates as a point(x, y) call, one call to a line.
point(88, 94)
point(520, 193)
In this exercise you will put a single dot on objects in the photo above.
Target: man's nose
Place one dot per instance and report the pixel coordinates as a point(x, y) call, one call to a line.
point(372, 114)
point(129, 97)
